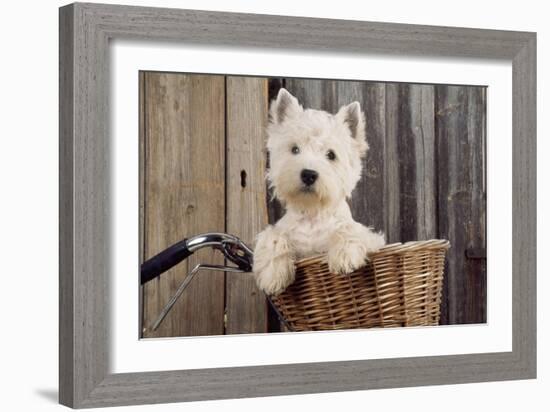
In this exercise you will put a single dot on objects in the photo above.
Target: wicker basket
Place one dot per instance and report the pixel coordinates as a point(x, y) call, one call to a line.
point(400, 286)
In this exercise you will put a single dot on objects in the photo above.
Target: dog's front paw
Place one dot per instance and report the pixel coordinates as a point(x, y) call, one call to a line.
point(273, 262)
point(346, 258)
point(374, 241)
point(276, 276)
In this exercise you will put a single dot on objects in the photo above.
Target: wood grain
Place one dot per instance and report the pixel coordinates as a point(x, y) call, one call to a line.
point(524, 204)
point(67, 214)
point(422, 128)
point(367, 200)
point(392, 175)
point(274, 208)
point(460, 125)
point(413, 128)
point(246, 216)
point(184, 196)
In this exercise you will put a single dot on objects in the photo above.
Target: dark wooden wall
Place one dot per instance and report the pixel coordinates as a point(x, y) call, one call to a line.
point(424, 177)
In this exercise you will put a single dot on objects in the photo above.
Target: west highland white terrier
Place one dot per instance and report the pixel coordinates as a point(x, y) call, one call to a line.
point(315, 163)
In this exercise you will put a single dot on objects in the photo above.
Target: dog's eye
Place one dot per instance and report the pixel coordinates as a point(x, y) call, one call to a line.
point(331, 155)
point(295, 149)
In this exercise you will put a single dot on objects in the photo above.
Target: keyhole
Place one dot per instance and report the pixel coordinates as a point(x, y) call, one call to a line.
point(243, 178)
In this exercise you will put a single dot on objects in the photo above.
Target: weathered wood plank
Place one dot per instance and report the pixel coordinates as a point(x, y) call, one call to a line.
point(460, 133)
point(409, 162)
point(414, 129)
point(246, 216)
point(406, 144)
point(391, 156)
point(274, 208)
point(448, 111)
point(314, 93)
point(367, 200)
point(184, 195)
point(422, 128)
point(477, 267)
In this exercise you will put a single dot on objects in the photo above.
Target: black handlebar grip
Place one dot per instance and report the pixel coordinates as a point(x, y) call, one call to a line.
point(165, 260)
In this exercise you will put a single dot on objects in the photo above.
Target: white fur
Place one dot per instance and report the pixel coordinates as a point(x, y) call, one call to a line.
point(317, 220)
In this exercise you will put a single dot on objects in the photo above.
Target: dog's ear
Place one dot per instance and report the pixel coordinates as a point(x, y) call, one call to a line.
point(284, 106)
point(354, 119)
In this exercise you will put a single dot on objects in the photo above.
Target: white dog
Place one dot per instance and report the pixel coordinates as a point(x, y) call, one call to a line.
point(315, 164)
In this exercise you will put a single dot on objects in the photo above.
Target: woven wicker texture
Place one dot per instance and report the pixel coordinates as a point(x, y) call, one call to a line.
point(399, 286)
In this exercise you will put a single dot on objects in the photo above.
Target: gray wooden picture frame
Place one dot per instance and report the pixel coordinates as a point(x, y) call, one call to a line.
point(85, 31)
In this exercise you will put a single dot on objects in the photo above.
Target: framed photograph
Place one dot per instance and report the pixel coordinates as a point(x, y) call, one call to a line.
point(257, 205)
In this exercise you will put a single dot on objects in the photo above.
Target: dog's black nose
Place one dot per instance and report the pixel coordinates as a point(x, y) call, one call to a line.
point(309, 176)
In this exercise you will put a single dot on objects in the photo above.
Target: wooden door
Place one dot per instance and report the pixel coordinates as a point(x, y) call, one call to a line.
point(201, 172)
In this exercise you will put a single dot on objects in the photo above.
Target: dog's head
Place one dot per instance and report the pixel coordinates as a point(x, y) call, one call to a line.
point(315, 156)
